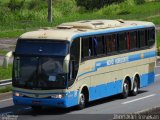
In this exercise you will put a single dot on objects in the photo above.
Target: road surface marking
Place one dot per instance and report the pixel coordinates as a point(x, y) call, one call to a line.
point(138, 99)
point(6, 100)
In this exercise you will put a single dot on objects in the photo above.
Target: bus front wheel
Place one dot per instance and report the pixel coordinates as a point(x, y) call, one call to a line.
point(82, 101)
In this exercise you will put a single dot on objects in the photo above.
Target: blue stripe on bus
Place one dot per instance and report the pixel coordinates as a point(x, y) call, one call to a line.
point(149, 54)
point(105, 90)
point(147, 79)
point(131, 58)
point(113, 88)
point(97, 92)
point(84, 34)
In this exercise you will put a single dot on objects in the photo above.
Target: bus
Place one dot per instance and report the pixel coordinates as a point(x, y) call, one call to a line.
point(78, 62)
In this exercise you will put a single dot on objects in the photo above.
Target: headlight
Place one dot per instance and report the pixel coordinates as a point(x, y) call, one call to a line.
point(17, 94)
point(58, 96)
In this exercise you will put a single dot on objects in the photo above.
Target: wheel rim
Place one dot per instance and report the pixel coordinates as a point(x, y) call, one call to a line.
point(135, 87)
point(125, 88)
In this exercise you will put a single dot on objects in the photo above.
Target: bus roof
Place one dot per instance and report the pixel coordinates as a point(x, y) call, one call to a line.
point(72, 30)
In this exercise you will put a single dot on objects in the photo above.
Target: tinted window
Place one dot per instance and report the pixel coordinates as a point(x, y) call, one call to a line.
point(151, 36)
point(74, 61)
point(100, 45)
point(111, 43)
point(142, 38)
point(122, 41)
point(75, 50)
point(39, 72)
point(87, 47)
point(133, 39)
point(40, 47)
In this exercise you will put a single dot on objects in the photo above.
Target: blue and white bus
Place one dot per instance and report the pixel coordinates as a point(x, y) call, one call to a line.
point(83, 61)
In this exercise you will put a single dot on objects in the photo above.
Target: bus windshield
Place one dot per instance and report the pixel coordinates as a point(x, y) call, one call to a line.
point(39, 69)
point(41, 47)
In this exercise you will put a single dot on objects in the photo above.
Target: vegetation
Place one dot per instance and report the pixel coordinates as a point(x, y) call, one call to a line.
point(96, 4)
point(19, 16)
point(5, 89)
point(158, 38)
point(5, 73)
point(3, 52)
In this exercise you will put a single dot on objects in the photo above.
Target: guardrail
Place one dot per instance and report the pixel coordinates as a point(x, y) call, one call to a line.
point(5, 82)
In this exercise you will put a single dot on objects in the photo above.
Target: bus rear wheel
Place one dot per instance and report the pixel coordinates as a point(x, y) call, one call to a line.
point(82, 101)
point(125, 92)
point(134, 92)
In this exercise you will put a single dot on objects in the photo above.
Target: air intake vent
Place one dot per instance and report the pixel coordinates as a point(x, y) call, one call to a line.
point(90, 24)
point(98, 23)
point(64, 27)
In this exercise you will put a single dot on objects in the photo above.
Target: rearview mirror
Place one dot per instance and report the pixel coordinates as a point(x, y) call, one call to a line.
point(6, 59)
point(66, 64)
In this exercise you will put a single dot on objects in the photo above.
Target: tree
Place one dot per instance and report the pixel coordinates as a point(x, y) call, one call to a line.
point(14, 5)
point(96, 4)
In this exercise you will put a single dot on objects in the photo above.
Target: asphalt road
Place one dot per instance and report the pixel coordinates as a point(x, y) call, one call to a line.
point(148, 97)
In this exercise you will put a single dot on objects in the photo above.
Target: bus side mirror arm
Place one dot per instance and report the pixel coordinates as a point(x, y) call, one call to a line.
point(66, 64)
point(6, 59)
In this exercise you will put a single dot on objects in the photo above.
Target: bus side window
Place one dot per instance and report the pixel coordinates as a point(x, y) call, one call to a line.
point(110, 43)
point(95, 45)
point(151, 37)
point(87, 47)
point(142, 38)
point(75, 54)
point(101, 45)
point(122, 41)
point(146, 37)
point(133, 40)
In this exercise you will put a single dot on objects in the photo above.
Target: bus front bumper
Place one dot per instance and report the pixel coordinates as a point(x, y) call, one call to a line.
point(53, 102)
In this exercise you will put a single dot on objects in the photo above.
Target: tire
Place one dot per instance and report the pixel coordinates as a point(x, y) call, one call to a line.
point(134, 92)
point(126, 89)
point(36, 108)
point(82, 101)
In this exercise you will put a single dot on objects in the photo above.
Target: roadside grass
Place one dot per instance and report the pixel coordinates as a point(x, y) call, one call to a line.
point(3, 52)
point(11, 33)
point(158, 39)
point(6, 89)
point(5, 73)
